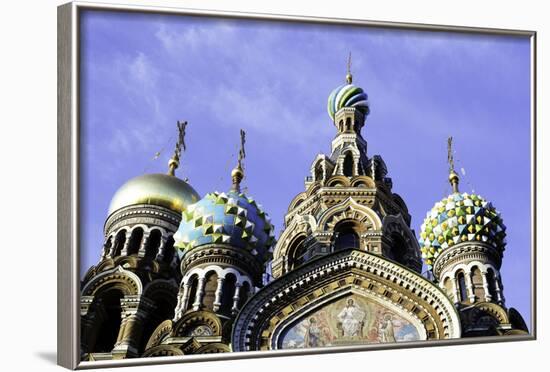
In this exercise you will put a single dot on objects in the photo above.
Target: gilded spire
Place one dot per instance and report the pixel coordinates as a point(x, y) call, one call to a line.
point(453, 176)
point(349, 77)
point(237, 174)
point(174, 162)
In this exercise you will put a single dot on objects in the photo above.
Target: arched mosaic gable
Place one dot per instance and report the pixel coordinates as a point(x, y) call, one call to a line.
point(276, 304)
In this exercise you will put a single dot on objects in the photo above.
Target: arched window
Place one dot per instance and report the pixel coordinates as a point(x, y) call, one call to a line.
point(346, 237)
point(319, 172)
point(348, 124)
point(107, 246)
point(298, 251)
point(462, 291)
point(135, 241)
point(341, 125)
point(153, 244)
point(477, 283)
point(491, 281)
point(244, 294)
point(193, 285)
point(228, 292)
point(210, 286)
point(119, 242)
point(169, 249)
point(108, 314)
point(348, 165)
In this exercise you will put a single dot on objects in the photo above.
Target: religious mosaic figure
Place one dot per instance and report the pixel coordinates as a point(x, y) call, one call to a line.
point(387, 334)
point(352, 320)
point(312, 337)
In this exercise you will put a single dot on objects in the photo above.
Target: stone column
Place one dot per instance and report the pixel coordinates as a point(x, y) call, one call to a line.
point(218, 297)
point(124, 251)
point(200, 293)
point(160, 254)
point(456, 290)
point(498, 290)
point(144, 241)
point(236, 297)
point(469, 287)
point(488, 296)
point(134, 314)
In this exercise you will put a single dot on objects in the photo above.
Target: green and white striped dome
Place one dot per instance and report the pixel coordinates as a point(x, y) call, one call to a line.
point(460, 218)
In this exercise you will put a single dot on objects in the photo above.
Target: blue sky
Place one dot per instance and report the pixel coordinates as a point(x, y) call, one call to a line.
point(142, 73)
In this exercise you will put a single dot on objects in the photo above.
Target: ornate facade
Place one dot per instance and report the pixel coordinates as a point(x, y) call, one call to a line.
point(179, 274)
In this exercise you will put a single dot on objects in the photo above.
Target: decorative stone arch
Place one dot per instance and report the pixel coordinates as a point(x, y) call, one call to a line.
point(313, 188)
point(338, 181)
point(349, 209)
point(213, 348)
point(395, 226)
point(162, 331)
point(185, 326)
point(362, 181)
point(220, 271)
point(256, 325)
point(482, 309)
point(162, 351)
point(300, 225)
point(128, 282)
point(400, 203)
point(298, 199)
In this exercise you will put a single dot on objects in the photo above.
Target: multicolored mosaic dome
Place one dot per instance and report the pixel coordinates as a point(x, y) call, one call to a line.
point(227, 218)
point(460, 218)
point(348, 95)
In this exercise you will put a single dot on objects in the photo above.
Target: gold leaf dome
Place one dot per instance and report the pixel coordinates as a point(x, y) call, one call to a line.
point(157, 189)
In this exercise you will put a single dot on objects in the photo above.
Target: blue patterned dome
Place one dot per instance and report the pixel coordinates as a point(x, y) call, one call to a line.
point(460, 218)
point(348, 95)
point(226, 218)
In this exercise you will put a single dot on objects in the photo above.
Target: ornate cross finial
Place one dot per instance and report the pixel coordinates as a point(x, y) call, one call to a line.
point(349, 77)
point(237, 174)
point(450, 157)
point(174, 162)
point(453, 176)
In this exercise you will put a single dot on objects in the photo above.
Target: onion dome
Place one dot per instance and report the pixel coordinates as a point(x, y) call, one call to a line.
point(348, 95)
point(458, 218)
point(155, 189)
point(227, 218)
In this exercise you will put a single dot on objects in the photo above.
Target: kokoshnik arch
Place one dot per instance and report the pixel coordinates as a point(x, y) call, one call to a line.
point(179, 274)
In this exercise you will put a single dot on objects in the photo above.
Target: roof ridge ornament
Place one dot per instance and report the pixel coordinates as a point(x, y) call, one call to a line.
point(174, 161)
point(453, 176)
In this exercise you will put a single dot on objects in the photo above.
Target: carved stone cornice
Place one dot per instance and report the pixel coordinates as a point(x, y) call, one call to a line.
point(142, 213)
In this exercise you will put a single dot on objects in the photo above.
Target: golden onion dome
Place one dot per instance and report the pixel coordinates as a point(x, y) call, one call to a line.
point(156, 189)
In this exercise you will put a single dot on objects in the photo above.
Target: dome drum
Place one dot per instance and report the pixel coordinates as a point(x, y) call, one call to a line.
point(223, 255)
point(466, 252)
point(142, 214)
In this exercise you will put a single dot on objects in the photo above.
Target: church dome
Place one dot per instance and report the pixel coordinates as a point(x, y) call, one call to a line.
point(227, 218)
point(460, 218)
point(157, 189)
point(348, 95)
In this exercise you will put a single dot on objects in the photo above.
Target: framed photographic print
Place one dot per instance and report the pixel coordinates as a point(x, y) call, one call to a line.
point(238, 185)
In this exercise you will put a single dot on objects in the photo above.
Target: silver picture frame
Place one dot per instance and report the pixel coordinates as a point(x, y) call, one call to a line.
point(68, 180)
